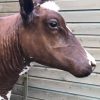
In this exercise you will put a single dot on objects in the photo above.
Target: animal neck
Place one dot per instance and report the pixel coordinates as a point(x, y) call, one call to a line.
point(12, 56)
point(22, 57)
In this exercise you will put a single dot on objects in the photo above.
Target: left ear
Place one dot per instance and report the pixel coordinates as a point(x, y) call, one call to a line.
point(26, 8)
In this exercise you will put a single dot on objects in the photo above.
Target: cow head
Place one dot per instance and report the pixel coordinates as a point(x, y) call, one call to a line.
point(45, 37)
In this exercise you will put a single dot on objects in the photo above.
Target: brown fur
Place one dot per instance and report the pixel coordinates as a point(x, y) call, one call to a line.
point(34, 40)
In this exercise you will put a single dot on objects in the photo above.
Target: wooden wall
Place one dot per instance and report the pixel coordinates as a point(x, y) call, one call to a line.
point(83, 17)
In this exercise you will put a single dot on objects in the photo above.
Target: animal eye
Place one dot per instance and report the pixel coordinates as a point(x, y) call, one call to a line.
point(53, 24)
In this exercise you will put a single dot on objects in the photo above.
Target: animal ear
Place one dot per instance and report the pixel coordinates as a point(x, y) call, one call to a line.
point(26, 8)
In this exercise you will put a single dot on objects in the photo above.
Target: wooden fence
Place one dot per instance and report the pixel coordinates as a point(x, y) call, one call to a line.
point(83, 17)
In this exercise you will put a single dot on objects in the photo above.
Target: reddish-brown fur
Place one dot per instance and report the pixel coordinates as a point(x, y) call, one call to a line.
point(10, 54)
point(29, 37)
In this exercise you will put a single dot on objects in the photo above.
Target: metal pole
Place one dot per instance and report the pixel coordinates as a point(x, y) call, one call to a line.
point(25, 86)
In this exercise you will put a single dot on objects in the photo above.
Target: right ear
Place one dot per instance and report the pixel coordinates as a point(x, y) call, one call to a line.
point(26, 8)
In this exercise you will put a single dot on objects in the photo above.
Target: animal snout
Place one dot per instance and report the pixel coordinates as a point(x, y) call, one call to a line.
point(93, 65)
point(91, 59)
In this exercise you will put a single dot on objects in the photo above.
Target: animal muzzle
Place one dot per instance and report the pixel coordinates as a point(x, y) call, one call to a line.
point(88, 67)
point(91, 60)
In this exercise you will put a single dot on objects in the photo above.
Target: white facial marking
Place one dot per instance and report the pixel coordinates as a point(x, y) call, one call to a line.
point(26, 69)
point(90, 58)
point(8, 95)
point(51, 5)
point(69, 29)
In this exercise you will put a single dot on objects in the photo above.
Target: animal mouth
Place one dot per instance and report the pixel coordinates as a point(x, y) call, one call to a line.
point(85, 72)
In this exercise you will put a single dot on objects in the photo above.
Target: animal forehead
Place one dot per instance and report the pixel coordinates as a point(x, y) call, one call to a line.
point(51, 5)
point(48, 14)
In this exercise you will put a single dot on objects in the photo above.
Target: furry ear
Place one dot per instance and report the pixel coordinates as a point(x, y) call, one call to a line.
point(26, 8)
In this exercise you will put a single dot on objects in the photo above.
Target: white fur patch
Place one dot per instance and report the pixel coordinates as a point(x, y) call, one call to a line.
point(26, 69)
point(8, 95)
point(1, 98)
point(69, 29)
point(51, 5)
point(90, 58)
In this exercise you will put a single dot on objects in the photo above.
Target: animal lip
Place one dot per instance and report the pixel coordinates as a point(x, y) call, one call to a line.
point(84, 73)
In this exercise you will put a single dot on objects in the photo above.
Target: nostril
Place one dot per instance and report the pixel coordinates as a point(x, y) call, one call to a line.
point(91, 59)
point(93, 65)
point(93, 68)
